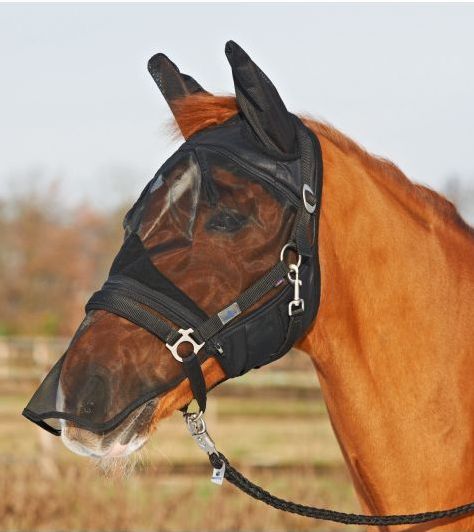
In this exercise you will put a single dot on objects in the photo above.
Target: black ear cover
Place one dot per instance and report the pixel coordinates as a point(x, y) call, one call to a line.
point(261, 104)
point(171, 82)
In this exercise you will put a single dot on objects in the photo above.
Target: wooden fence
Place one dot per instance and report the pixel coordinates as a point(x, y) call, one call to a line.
point(25, 360)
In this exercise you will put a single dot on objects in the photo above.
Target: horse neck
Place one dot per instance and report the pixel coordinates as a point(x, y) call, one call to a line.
point(393, 339)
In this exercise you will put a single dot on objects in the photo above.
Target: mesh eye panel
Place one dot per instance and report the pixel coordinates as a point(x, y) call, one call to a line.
point(235, 228)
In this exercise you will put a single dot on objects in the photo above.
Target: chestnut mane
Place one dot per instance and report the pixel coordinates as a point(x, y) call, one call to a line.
point(199, 111)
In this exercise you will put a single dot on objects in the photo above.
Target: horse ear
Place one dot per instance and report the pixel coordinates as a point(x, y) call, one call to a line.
point(171, 82)
point(260, 103)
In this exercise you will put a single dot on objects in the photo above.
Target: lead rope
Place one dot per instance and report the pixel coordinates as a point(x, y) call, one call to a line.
point(223, 469)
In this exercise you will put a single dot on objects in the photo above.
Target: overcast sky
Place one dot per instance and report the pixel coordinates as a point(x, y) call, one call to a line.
point(78, 103)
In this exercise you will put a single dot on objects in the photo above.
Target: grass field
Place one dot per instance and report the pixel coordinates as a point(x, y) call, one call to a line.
point(272, 424)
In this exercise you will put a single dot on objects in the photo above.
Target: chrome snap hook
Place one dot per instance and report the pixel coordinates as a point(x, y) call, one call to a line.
point(296, 306)
point(198, 430)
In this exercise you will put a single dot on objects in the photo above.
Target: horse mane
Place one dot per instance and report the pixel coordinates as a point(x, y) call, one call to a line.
point(199, 111)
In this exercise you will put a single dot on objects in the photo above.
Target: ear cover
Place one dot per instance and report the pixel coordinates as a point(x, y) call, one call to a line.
point(261, 104)
point(171, 82)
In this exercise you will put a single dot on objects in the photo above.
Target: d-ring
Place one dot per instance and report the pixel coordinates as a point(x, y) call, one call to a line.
point(290, 245)
point(310, 207)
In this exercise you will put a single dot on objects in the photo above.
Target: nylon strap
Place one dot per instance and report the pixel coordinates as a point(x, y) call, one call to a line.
point(192, 370)
point(129, 309)
point(303, 229)
point(247, 299)
point(158, 301)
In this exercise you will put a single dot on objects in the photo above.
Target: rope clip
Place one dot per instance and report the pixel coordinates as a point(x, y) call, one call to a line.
point(296, 306)
point(198, 430)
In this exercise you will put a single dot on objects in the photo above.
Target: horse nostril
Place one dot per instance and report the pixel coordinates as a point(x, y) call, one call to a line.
point(93, 399)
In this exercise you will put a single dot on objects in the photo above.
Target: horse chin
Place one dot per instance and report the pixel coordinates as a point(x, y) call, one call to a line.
point(113, 446)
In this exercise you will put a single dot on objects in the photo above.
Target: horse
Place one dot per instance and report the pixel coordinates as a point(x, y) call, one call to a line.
point(392, 343)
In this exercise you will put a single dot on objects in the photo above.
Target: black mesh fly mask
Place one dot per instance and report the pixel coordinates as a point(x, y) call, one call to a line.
point(251, 183)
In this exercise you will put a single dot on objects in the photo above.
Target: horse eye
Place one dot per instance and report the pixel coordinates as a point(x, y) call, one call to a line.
point(226, 221)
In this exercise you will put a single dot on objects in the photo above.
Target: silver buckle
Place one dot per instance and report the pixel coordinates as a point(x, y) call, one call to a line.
point(307, 205)
point(185, 337)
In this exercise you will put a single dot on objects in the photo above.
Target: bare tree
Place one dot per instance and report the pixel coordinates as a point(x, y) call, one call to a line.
point(51, 258)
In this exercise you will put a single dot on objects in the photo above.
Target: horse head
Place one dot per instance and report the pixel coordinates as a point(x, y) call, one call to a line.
point(216, 275)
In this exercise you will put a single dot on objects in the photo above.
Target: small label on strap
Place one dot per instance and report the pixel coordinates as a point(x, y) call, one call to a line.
point(218, 475)
point(229, 313)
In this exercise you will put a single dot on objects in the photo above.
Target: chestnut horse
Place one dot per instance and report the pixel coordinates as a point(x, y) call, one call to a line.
point(393, 341)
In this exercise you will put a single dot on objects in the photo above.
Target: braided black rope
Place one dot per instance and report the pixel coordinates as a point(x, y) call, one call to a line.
point(241, 482)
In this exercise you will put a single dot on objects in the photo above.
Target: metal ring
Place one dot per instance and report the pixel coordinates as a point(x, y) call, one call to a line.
point(185, 338)
point(290, 245)
point(196, 418)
